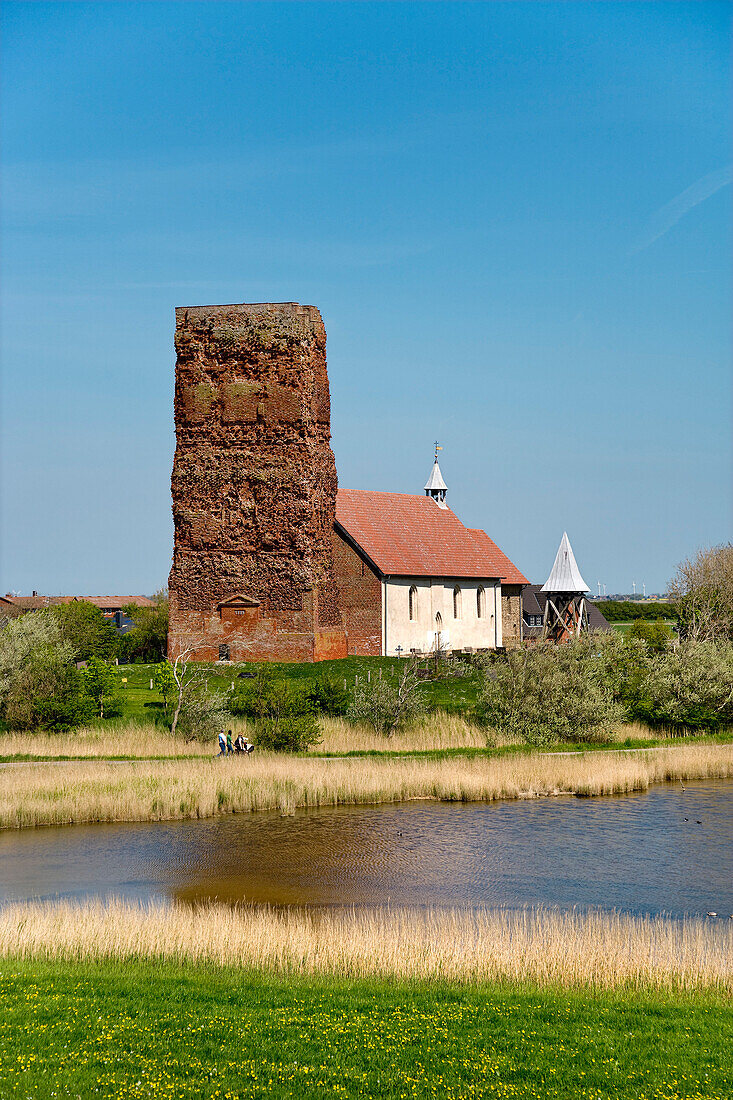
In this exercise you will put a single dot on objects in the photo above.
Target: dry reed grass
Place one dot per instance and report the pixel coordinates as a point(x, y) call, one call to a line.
point(48, 794)
point(140, 739)
point(434, 731)
point(131, 739)
point(544, 947)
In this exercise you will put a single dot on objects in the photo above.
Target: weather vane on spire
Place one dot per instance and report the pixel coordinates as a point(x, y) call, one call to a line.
point(436, 487)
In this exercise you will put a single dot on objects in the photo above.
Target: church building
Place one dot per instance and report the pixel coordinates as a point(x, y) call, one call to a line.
point(411, 577)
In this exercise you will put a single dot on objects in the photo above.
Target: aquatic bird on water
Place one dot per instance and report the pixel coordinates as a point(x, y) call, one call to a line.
point(684, 788)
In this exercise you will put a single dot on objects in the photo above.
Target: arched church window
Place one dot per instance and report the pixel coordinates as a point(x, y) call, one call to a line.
point(413, 603)
point(480, 602)
point(456, 602)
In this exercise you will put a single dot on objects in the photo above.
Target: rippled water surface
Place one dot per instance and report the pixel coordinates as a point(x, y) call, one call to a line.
point(666, 850)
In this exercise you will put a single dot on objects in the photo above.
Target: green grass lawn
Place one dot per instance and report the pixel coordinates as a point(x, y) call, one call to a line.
point(143, 1030)
point(140, 702)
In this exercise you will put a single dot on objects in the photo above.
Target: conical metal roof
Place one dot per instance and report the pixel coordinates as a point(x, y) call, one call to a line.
point(435, 481)
point(565, 575)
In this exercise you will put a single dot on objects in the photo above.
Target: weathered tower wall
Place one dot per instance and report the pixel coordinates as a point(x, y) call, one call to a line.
point(254, 487)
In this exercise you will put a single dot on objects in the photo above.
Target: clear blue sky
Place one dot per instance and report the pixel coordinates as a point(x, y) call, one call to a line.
point(514, 218)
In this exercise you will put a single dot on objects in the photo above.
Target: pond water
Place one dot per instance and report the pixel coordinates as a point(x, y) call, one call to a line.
point(666, 850)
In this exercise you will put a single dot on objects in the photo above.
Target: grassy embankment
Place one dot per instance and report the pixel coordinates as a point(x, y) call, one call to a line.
point(89, 791)
point(115, 1000)
point(142, 703)
point(143, 1029)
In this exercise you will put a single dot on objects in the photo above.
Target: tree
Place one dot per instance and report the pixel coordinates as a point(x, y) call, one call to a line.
point(329, 697)
point(282, 714)
point(656, 635)
point(388, 705)
point(101, 685)
point(690, 688)
point(85, 628)
point(39, 685)
point(19, 638)
point(148, 639)
point(165, 681)
point(703, 590)
point(198, 712)
point(551, 692)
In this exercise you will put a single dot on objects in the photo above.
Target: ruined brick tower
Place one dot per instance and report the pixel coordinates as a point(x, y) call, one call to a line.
point(254, 487)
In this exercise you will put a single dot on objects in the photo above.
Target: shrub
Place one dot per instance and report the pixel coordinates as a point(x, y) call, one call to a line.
point(552, 692)
point(202, 713)
point(282, 714)
point(39, 685)
point(388, 705)
point(47, 692)
point(690, 688)
point(329, 697)
point(656, 635)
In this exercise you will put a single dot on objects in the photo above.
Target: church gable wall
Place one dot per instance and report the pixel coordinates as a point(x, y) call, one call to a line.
point(433, 596)
point(360, 600)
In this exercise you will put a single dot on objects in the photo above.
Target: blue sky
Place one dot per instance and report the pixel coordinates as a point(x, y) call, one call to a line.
point(514, 218)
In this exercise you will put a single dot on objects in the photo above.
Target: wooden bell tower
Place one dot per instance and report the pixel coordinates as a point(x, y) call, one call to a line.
point(566, 613)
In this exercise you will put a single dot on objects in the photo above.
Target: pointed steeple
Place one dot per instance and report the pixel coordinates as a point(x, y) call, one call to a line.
point(565, 575)
point(436, 487)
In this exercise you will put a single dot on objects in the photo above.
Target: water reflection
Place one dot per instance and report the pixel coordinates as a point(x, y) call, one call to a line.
point(666, 850)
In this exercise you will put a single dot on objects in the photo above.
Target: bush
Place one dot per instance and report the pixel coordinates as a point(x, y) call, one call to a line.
point(203, 713)
point(39, 685)
point(47, 693)
point(552, 692)
point(282, 714)
point(690, 688)
point(387, 705)
point(328, 696)
point(656, 635)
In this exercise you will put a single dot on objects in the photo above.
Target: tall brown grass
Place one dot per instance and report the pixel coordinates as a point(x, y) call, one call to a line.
point(141, 739)
point(46, 794)
point(601, 950)
point(131, 739)
point(434, 731)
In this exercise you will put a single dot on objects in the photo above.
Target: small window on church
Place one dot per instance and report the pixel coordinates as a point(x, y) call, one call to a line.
point(413, 603)
point(480, 602)
point(456, 602)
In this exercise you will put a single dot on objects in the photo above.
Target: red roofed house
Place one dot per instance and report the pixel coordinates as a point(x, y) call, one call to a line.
point(412, 577)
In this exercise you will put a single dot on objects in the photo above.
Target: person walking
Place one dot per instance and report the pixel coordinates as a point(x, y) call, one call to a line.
point(222, 744)
point(230, 746)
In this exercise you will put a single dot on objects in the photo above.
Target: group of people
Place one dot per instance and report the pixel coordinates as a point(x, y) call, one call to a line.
point(227, 747)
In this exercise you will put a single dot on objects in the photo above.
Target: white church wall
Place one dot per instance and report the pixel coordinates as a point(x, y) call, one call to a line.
point(433, 597)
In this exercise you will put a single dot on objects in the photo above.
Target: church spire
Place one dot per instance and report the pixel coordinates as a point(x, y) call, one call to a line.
point(436, 487)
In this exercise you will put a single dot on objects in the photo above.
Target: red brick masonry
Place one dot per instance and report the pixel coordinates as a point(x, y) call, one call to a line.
point(254, 487)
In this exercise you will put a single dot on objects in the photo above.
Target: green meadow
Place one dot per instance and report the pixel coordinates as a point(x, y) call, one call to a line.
point(147, 1030)
point(143, 703)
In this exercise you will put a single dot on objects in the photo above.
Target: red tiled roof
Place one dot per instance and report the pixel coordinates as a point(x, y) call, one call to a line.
point(407, 535)
point(507, 570)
